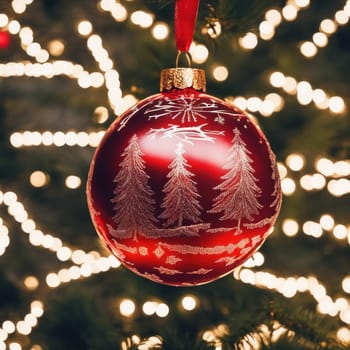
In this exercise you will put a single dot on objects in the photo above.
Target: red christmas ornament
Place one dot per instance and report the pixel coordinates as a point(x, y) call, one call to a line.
point(5, 40)
point(183, 187)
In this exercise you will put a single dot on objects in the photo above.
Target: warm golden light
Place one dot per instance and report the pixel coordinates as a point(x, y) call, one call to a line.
point(266, 30)
point(160, 31)
point(31, 282)
point(84, 28)
point(73, 181)
point(290, 13)
point(142, 19)
point(273, 16)
point(308, 49)
point(220, 73)
point(290, 227)
point(336, 105)
point(199, 53)
point(295, 161)
point(320, 39)
point(3, 20)
point(327, 222)
point(162, 310)
point(328, 26)
point(189, 302)
point(249, 41)
point(288, 186)
point(127, 307)
point(38, 178)
point(277, 79)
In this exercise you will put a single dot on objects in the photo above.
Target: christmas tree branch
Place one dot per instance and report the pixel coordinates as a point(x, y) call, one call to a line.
point(279, 321)
point(234, 16)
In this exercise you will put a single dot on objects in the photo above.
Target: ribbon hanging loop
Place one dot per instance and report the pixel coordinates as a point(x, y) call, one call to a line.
point(184, 21)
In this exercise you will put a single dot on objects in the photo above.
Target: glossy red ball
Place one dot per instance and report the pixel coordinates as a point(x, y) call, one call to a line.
point(183, 188)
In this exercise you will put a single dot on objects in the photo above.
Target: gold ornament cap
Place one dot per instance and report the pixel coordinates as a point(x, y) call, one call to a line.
point(182, 78)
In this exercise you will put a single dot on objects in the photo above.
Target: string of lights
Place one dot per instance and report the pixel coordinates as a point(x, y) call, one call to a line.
point(273, 19)
point(327, 28)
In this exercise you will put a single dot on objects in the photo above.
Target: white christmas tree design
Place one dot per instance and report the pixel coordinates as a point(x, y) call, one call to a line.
point(134, 205)
point(239, 191)
point(181, 197)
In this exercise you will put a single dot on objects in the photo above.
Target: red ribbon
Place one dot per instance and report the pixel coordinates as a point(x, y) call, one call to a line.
point(184, 20)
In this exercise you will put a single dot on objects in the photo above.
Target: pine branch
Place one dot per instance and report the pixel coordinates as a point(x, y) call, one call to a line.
point(235, 16)
point(301, 328)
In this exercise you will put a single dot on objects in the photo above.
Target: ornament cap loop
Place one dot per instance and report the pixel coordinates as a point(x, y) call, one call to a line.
point(182, 78)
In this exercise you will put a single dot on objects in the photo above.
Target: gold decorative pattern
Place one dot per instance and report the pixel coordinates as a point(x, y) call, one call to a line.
point(182, 78)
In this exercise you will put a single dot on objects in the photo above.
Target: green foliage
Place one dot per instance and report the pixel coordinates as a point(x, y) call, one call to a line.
point(74, 320)
point(236, 17)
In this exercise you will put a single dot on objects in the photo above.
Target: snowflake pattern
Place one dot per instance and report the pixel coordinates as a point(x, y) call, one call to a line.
point(189, 109)
point(220, 120)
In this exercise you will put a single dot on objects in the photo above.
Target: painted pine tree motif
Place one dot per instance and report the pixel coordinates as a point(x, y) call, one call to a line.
point(239, 191)
point(133, 202)
point(180, 203)
point(181, 197)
